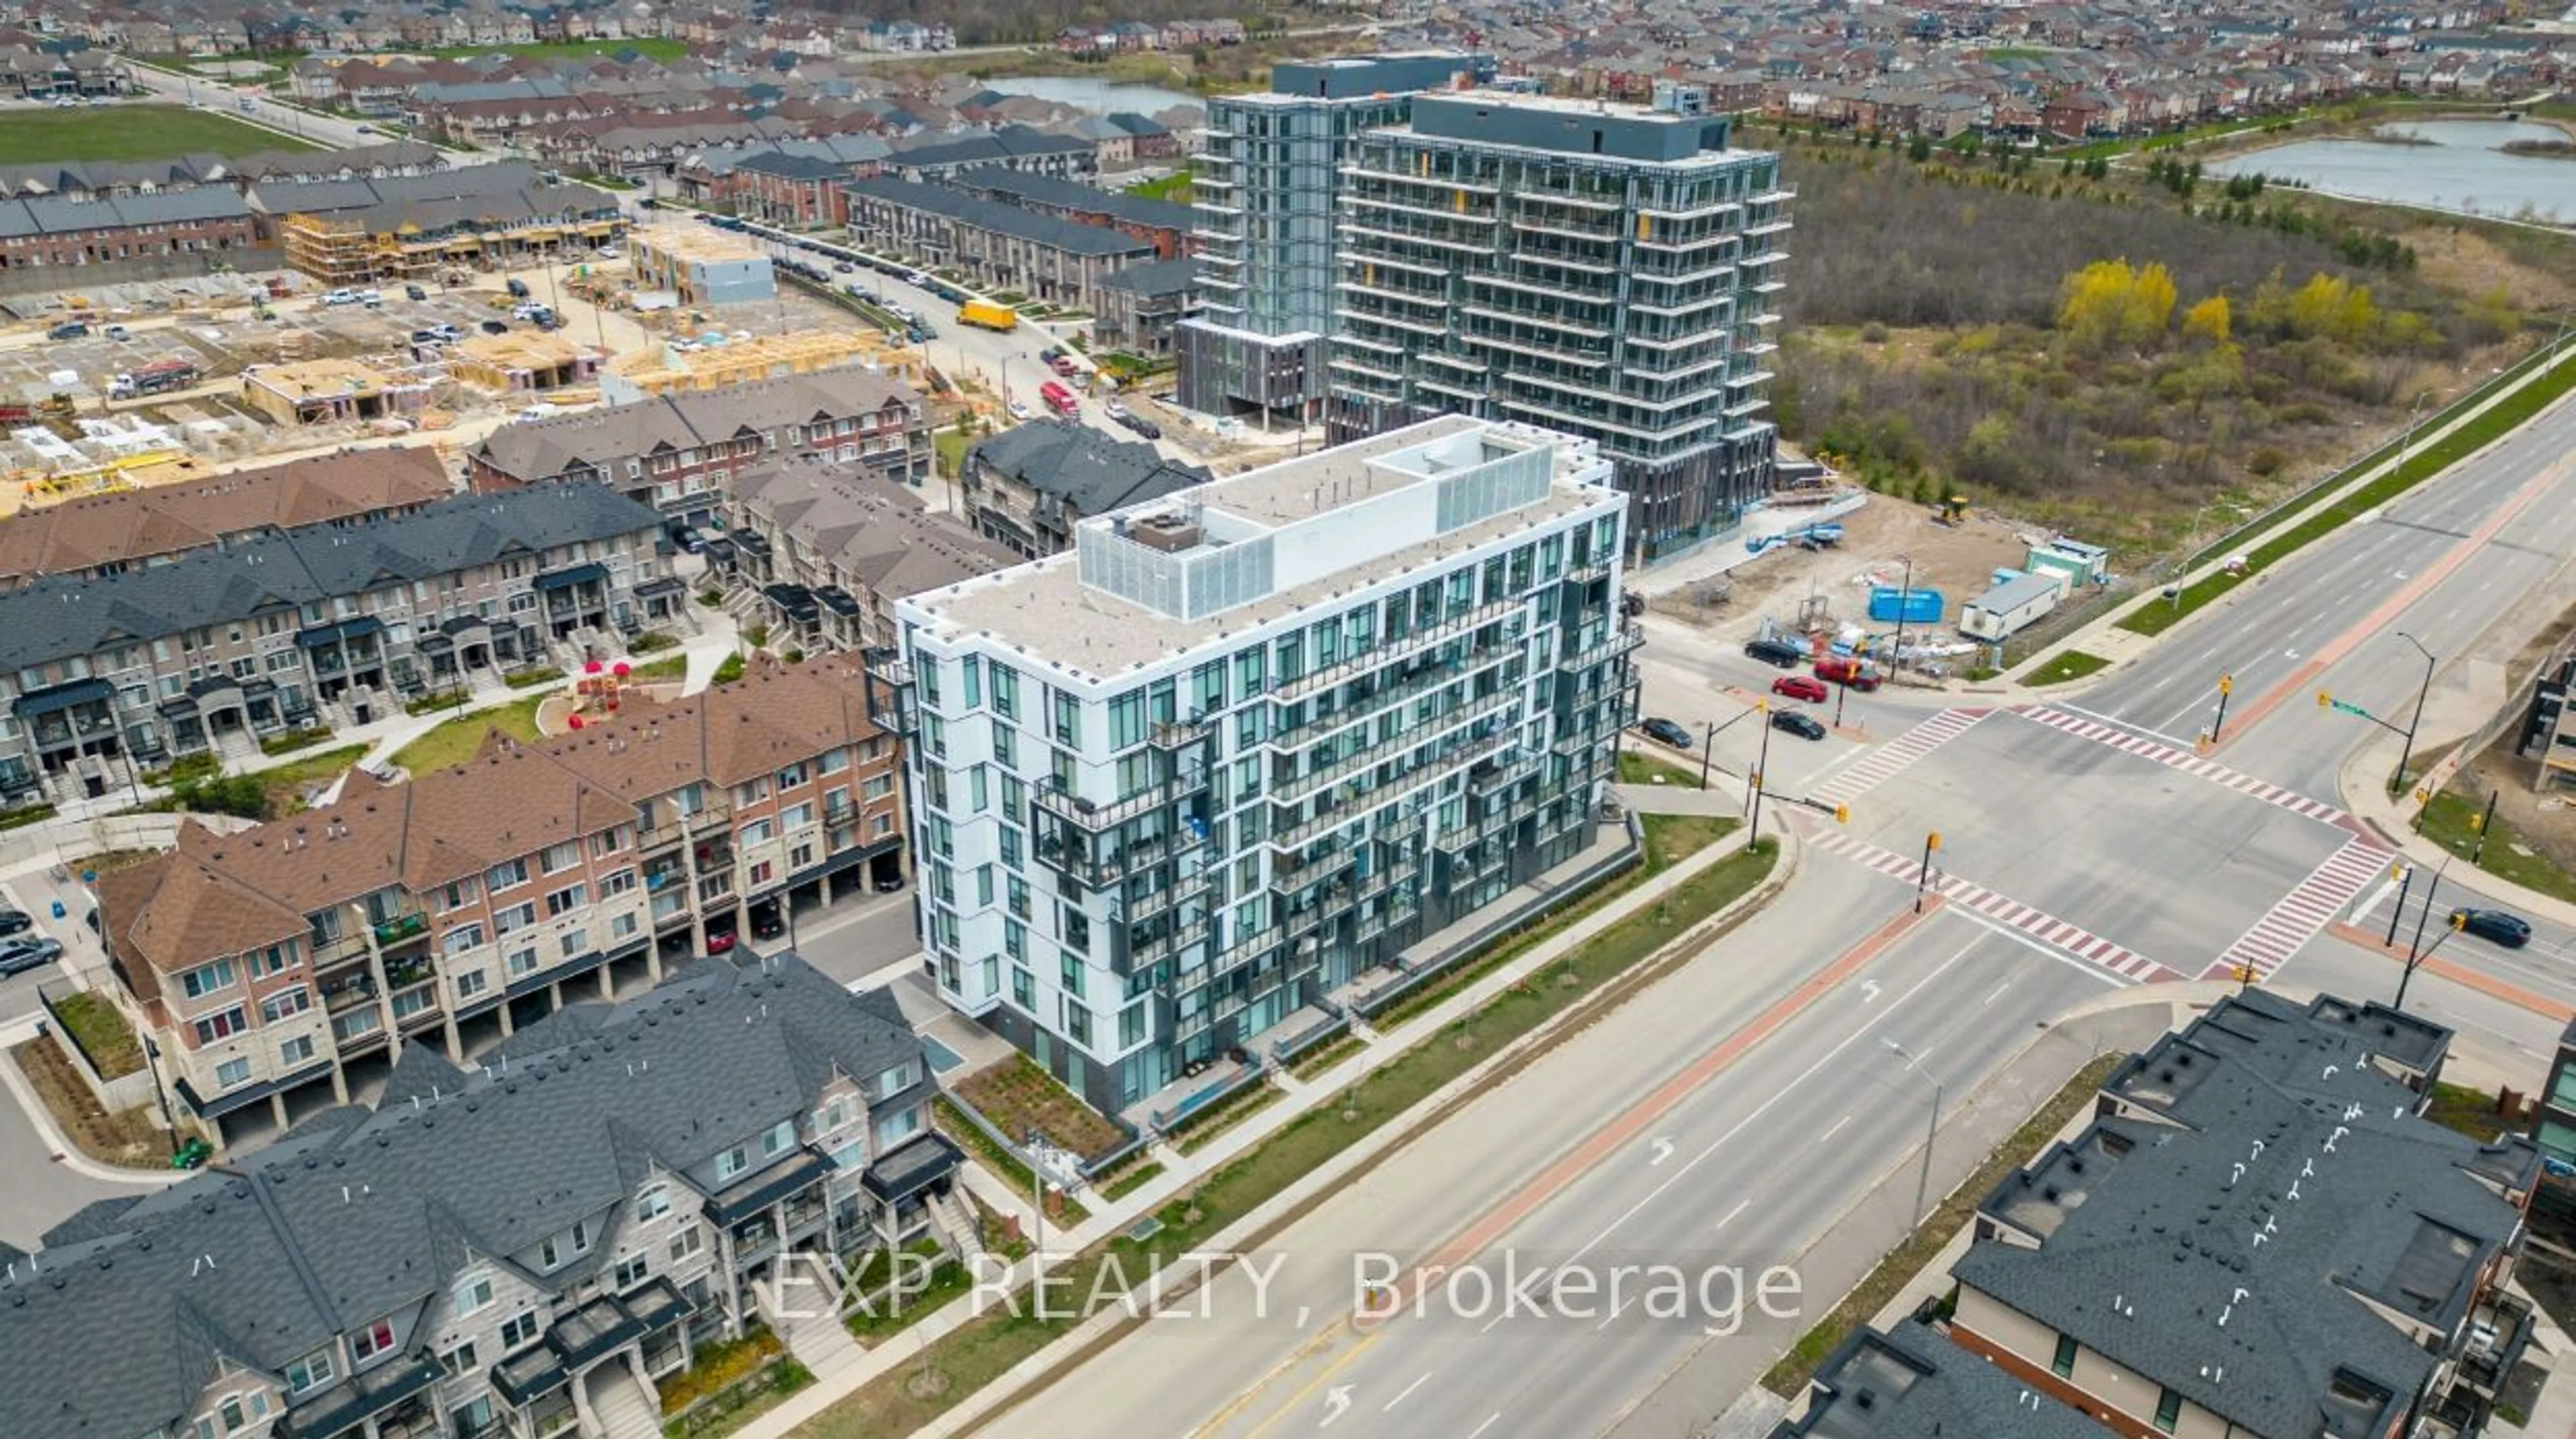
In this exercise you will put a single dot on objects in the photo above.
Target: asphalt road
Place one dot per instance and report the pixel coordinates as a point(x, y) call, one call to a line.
point(215, 96)
point(1752, 1167)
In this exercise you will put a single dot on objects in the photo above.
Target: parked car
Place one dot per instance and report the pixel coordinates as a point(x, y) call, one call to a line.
point(1800, 687)
point(1778, 653)
point(1049, 355)
point(427, 337)
point(1664, 731)
point(1804, 726)
point(414, 292)
point(370, 298)
point(720, 942)
point(2494, 925)
point(844, 267)
point(27, 952)
point(1114, 410)
point(366, 129)
point(689, 540)
point(496, 327)
point(1020, 410)
point(518, 288)
point(14, 921)
point(1142, 426)
point(68, 330)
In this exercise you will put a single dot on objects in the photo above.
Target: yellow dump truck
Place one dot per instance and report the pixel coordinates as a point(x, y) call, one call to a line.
point(985, 315)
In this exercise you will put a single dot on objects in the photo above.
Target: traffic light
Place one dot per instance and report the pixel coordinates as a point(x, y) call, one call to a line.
point(1932, 840)
point(1842, 814)
point(2459, 920)
point(2226, 684)
point(2477, 824)
point(2244, 974)
point(2325, 701)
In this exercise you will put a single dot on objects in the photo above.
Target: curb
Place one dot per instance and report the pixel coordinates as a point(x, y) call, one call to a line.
point(1031, 1374)
point(60, 1149)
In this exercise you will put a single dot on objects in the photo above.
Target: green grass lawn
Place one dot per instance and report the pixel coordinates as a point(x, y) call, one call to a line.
point(1637, 767)
point(2450, 821)
point(2071, 665)
point(656, 49)
point(458, 740)
point(1173, 187)
point(1672, 838)
point(286, 783)
point(130, 132)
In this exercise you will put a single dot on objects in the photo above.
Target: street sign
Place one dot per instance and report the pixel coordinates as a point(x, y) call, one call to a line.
point(2349, 708)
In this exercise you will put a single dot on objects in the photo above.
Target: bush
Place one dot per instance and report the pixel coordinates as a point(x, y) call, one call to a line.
point(241, 794)
point(185, 767)
point(294, 739)
point(1873, 333)
point(756, 635)
point(532, 676)
point(2266, 461)
point(794, 655)
point(649, 642)
point(25, 815)
point(430, 703)
point(711, 598)
point(729, 671)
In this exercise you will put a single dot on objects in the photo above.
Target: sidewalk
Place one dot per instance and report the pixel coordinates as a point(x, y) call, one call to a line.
point(2103, 636)
point(1183, 1172)
point(2362, 789)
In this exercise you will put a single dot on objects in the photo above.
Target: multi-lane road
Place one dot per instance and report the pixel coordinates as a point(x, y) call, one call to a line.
point(2090, 852)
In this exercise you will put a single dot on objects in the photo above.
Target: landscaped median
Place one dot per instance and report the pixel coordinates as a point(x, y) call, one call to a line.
point(2321, 517)
point(1622, 960)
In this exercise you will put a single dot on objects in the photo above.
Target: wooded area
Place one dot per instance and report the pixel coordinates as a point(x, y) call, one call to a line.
point(2098, 348)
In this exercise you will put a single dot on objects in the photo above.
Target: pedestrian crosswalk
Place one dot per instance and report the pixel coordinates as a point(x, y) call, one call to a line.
point(2069, 939)
point(1875, 767)
point(2303, 911)
point(2184, 760)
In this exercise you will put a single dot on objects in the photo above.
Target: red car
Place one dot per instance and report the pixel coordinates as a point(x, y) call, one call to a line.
point(1799, 687)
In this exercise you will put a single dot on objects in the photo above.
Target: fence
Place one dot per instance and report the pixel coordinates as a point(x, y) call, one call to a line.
point(52, 838)
point(1210, 1099)
point(127, 1091)
point(1322, 1031)
point(1379, 1001)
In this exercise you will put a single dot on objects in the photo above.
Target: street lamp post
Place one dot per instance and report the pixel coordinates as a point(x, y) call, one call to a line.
point(2407, 440)
point(2397, 916)
point(2415, 953)
point(1904, 592)
point(1931, 1132)
point(2478, 851)
point(2218, 726)
point(1760, 766)
point(2406, 751)
point(1708, 746)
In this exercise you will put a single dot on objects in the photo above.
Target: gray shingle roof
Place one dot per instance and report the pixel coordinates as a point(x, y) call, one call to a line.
point(1006, 184)
point(1156, 277)
point(370, 1214)
point(1009, 142)
point(998, 217)
point(1910, 1383)
point(542, 449)
point(64, 615)
point(1080, 465)
point(2237, 1258)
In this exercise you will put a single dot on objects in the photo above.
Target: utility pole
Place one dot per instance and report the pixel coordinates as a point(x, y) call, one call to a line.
point(1923, 876)
point(1708, 746)
point(1037, 1202)
point(2486, 822)
point(1904, 593)
point(1931, 1132)
point(2416, 954)
point(2405, 877)
point(1760, 766)
point(2218, 726)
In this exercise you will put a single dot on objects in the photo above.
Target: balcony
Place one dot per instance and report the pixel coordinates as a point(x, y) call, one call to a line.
point(1404, 784)
point(1166, 897)
point(348, 994)
point(1180, 736)
point(1294, 740)
point(1415, 643)
point(390, 932)
point(1093, 817)
point(2493, 1341)
point(1300, 787)
point(1622, 639)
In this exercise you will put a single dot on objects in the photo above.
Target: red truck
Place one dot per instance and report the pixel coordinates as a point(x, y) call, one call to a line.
point(1060, 399)
point(1842, 670)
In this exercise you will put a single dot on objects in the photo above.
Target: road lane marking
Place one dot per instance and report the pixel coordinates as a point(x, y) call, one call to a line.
point(2461, 974)
point(1792, 1087)
point(1527, 1283)
point(2000, 991)
point(1488, 1424)
point(1296, 1401)
point(2100, 718)
point(2362, 910)
point(2295, 918)
point(1407, 1394)
point(2052, 935)
point(2425, 581)
point(2184, 758)
point(1876, 766)
point(1615, 1135)
point(1837, 1129)
point(1740, 1206)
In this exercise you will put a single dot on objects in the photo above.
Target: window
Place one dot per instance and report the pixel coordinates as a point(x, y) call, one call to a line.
point(574, 942)
point(517, 916)
point(471, 983)
point(458, 1360)
point(473, 1296)
point(780, 1138)
point(505, 876)
point(235, 1412)
point(686, 1244)
point(876, 787)
point(834, 761)
point(220, 1026)
point(2064, 1364)
point(732, 1162)
point(310, 1372)
point(653, 1203)
point(207, 979)
point(414, 1000)
point(283, 1003)
point(790, 777)
point(798, 816)
point(759, 831)
point(2168, 1410)
point(565, 900)
point(1023, 989)
point(562, 1249)
point(621, 882)
point(232, 1072)
point(461, 939)
point(522, 962)
point(896, 1080)
point(556, 858)
point(899, 1126)
point(607, 842)
point(375, 1339)
point(295, 1051)
point(520, 1329)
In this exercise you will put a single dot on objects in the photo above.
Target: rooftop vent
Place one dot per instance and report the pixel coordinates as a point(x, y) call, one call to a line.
point(1168, 533)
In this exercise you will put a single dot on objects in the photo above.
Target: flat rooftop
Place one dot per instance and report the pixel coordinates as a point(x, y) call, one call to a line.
point(1049, 614)
point(703, 243)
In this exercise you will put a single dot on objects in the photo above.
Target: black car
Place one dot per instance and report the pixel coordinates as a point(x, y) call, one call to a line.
point(1803, 726)
point(844, 267)
point(496, 327)
point(1669, 732)
point(27, 952)
point(14, 922)
point(1775, 652)
point(414, 292)
point(2493, 925)
point(1141, 425)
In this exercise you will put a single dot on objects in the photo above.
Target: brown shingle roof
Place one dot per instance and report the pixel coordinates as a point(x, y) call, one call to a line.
point(167, 519)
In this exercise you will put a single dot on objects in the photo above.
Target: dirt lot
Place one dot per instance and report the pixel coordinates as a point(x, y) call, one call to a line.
point(1799, 587)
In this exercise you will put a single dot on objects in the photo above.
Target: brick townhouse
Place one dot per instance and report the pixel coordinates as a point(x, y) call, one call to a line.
point(282, 968)
point(105, 534)
point(822, 550)
point(1001, 246)
point(533, 1247)
point(1160, 223)
point(47, 231)
point(676, 451)
point(794, 190)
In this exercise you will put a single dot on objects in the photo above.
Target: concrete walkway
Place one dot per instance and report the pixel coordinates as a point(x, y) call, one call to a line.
point(1182, 1172)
